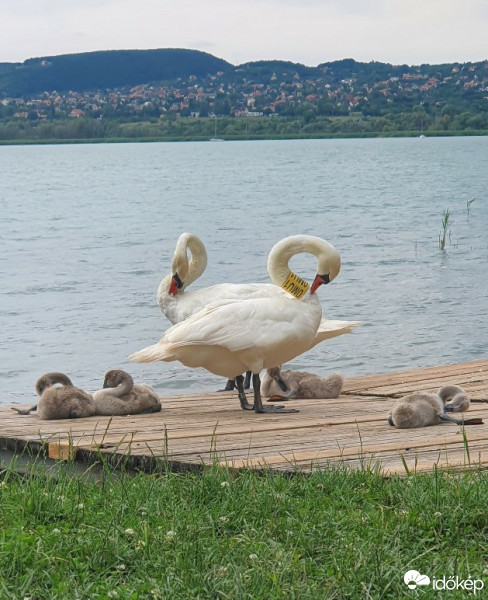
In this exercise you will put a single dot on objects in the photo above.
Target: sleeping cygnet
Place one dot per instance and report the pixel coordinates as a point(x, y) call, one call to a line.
point(454, 398)
point(120, 396)
point(301, 385)
point(421, 409)
point(65, 402)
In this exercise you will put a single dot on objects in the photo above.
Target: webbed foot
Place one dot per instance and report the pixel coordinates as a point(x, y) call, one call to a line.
point(258, 403)
point(276, 409)
point(24, 411)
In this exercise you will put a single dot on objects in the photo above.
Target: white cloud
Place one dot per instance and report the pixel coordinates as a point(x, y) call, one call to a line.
point(307, 31)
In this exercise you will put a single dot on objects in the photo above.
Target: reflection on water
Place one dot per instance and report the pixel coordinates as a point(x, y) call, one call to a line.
point(89, 231)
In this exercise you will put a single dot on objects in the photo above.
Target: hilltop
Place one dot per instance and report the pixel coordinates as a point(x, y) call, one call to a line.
point(104, 70)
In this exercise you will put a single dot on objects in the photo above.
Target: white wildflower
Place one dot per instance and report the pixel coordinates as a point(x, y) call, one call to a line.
point(129, 531)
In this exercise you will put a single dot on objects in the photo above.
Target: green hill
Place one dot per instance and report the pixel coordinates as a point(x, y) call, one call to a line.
point(105, 70)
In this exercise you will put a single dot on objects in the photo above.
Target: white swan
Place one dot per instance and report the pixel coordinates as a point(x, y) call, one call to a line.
point(120, 396)
point(421, 409)
point(177, 304)
point(301, 385)
point(229, 337)
point(65, 402)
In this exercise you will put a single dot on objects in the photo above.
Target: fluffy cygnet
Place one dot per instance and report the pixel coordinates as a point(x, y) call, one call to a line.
point(64, 402)
point(421, 409)
point(301, 384)
point(120, 396)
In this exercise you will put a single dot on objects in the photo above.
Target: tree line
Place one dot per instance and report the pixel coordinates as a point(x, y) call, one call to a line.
point(307, 125)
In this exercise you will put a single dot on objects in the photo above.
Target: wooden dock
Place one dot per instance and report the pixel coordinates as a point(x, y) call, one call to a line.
point(198, 430)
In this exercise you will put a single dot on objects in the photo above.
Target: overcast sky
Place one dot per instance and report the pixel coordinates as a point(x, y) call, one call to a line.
point(304, 31)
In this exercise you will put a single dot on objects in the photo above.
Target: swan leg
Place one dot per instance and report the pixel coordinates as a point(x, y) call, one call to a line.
point(229, 386)
point(24, 411)
point(247, 380)
point(242, 395)
point(231, 383)
point(473, 421)
point(258, 403)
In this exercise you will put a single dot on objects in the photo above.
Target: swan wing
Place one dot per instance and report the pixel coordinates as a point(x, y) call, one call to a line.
point(263, 329)
point(242, 324)
point(189, 303)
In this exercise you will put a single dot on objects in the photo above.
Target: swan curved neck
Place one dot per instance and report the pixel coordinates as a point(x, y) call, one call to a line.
point(121, 389)
point(278, 263)
point(189, 271)
point(50, 379)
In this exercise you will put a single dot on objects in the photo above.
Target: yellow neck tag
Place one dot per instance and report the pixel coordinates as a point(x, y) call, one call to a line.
point(295, 285)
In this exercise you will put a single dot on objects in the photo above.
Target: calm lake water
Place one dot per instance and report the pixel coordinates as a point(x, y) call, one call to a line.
point(88, 231)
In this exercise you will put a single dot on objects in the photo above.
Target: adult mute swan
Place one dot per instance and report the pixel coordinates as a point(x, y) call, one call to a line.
point(178, 304)
point(65, 402)
point(120, 396)
point(420, 409)
point(228, 337)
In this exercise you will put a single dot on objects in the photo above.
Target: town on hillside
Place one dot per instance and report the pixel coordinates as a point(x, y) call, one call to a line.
point(441, 93)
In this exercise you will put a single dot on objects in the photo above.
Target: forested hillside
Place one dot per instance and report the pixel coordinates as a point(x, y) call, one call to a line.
point(104, 69)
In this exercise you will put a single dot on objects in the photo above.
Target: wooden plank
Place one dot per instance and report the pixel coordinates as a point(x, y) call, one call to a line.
point(200, 429)
point(364, 383)
point(353, 442)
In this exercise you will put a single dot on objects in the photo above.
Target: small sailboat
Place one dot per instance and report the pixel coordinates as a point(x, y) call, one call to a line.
point(215, 138)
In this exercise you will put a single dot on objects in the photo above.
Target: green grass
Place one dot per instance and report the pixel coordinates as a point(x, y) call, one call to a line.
point(219, 534)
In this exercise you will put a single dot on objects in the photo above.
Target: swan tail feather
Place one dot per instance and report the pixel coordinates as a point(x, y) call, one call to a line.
point(152, 353)
point(329, 329)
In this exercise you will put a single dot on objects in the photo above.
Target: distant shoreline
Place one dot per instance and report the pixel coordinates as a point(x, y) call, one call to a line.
point(241, 138)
